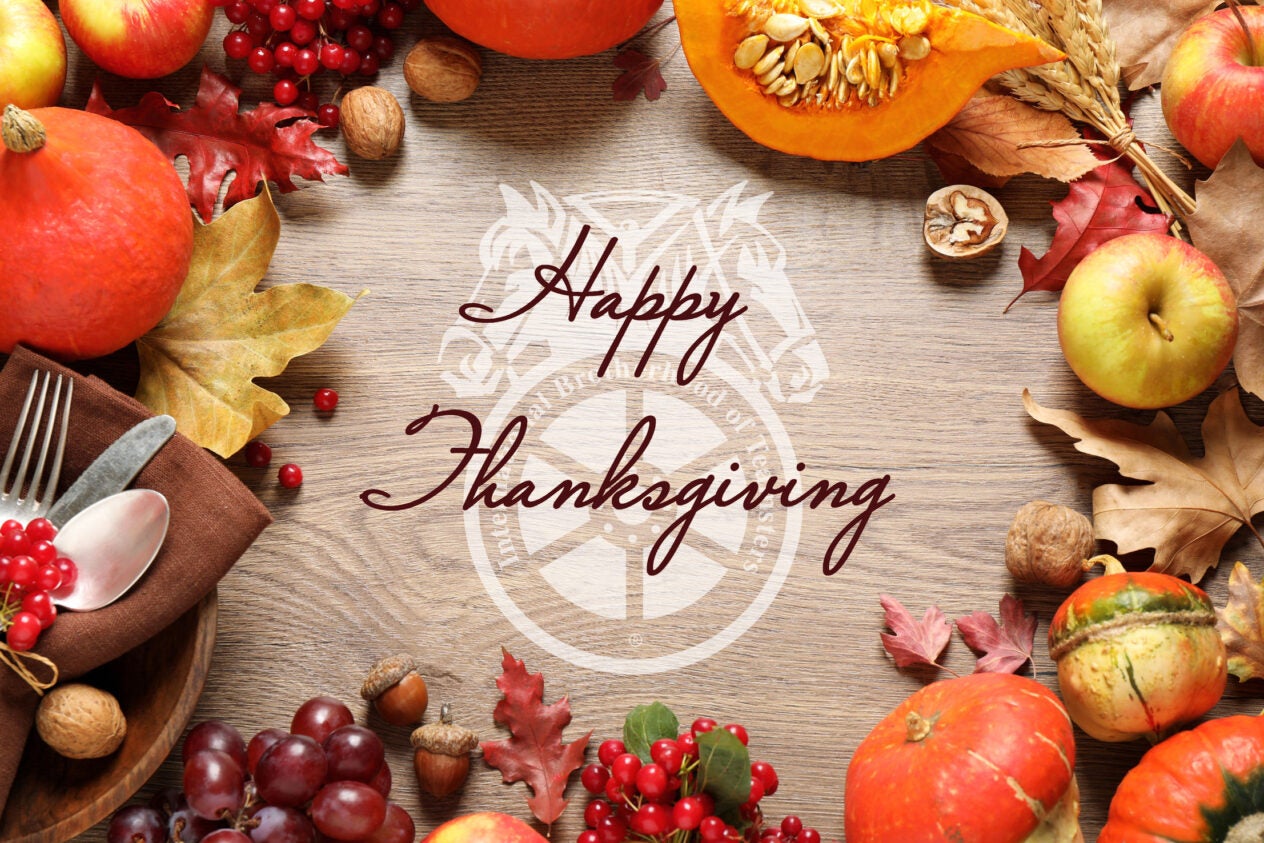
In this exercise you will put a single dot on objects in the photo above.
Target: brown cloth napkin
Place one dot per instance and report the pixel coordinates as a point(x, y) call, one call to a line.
point(214, 518)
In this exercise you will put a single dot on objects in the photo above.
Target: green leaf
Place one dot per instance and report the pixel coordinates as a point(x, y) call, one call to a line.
point(724, 772)
point(646, 724)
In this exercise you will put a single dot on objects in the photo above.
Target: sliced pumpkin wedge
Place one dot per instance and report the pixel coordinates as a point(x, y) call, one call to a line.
point(845, 80)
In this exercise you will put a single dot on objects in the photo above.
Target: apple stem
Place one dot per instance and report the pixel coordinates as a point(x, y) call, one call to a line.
point(21, 131)
point(1235, 6)
point(1164, 330)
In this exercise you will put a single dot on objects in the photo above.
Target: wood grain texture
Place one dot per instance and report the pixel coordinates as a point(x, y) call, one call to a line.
point(925, 381)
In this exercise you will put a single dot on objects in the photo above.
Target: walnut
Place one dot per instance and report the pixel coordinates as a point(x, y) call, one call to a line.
point(372, 122)
point(79, 721)
point(443, 69)
point(1048, 543)
point(963, 222)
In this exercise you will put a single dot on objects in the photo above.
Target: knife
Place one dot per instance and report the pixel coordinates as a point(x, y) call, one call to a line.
point(115, 468)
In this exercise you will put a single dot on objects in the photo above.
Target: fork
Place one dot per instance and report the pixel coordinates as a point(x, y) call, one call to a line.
point(24, 495)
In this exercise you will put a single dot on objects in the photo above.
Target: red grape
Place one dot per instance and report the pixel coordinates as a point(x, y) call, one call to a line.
point(354, 753)
point(259, 744)
point(348, 810)
point(214, 734)
point(137, 824)
point(398, 827)
point(318, 717)
point(291, 771)
point(214, 784)
point(282, 825)
point(226, 835)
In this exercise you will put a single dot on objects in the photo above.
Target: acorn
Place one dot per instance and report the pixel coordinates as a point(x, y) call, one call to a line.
point(441, 755)
point(397, 690)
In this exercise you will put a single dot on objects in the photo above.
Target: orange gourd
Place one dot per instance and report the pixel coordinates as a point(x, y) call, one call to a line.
point(545, 29)
point(96, 234)
point(918, 65)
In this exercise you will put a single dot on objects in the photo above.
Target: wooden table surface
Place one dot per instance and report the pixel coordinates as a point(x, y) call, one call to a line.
point(915, 374)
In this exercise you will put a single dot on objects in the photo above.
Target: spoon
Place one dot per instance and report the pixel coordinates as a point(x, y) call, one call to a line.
point(112, 543)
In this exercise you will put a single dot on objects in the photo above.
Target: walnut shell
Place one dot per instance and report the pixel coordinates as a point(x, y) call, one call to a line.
point(1048, 543)
point(963, 221)
point(79, 721)
point(372, 122)
point(443, 69)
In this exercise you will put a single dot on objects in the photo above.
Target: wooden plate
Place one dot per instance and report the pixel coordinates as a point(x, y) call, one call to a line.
point(158, 685)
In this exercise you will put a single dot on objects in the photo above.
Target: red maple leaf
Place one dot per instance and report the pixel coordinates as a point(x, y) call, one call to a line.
point(914, 642)
point(641, 74)
point(535, 754)
point(1105, 204)
point(218, 139)
point(1006, 646)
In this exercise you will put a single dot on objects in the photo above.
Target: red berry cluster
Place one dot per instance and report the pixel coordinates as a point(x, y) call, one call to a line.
point(295, 40)
point(659, 800)
point(325, 779)
point(30, 572)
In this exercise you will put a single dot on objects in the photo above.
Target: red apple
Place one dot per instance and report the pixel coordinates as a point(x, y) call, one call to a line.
point(484, 828)
point(32, 55)
point(1147, 321)
point(139, 39)
point(1213, 86)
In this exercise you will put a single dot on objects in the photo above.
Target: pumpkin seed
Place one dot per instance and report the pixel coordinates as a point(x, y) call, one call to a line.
point(809, 63)
point(855, 72)
point(784, 26)
point(835, 72)
point(873, 69)
point(914, 47)
point(770, 58)
point(771, 74)
point(819, 32)
point(849, 48)
point(750, 51)
point(791, 52)
point(909, 20)
point(888, 53)
point(819, 8)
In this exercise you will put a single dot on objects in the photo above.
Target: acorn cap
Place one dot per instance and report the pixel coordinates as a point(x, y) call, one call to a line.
point(386, 674)
point(445, 737)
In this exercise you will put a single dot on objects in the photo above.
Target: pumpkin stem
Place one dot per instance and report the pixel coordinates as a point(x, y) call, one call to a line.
point(21, 131)
point(1108, 562)
point(918, 727)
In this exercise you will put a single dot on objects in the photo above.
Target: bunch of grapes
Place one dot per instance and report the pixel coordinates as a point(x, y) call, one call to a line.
point(326, 778)
point(31, 572)
point(661, 801)
point(297, 40)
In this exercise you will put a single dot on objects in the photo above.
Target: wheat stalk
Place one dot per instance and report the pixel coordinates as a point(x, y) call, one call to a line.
point(1084, 87)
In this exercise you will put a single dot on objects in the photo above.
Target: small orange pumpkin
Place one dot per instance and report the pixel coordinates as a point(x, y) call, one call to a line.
point(845, 80)
point(545, 29)
point(1205, 785)
point(96, 233)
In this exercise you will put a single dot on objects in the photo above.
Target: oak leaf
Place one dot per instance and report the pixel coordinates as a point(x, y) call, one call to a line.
point(642, 74)
point(198, 363)
point(1188, 507)
point(1145, 33)
point(1241, 624)
point(535, 752)
point(1105, 204)
point(1006, 646)
point(913, 642)
point(267, 143)
point(1226, 228)
point(990, 130)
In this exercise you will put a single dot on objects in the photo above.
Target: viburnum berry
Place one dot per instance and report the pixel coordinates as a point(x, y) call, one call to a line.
point(688, 745)
point(588, 836)
point(702, 724)
point(767, 775)
point(688, 813)
point(612, 829)
point(258, 454)
point(39, 529)
point(651, 781)
point(290, 476)
point(624, 768)
point(713, 829)
point(756, 791)
point(791, 825)
point(651, 819)
point(667, 754)
point(595, 811)
point(69, 573)
point(738, 731)
point(12, 525)
point(594, 778)
point(610, 750)
point(325, 399)
point(285, 92)
point(808, 835)
point(23, 632)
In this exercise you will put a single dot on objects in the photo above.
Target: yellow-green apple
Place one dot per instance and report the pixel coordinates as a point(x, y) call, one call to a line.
point(1147, 321)
point(1213, 85)
point(32, 55)
point(484, 828)
point(139, 39)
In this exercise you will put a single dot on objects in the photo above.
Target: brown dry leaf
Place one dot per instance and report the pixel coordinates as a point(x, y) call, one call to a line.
point(1145, 32)
point(1241, 624)
point(989, 130)
point(198, 363)
point(1226, 228)
point(1188, 508)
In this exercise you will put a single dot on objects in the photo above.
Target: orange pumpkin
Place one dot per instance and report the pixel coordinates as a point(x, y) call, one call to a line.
point(96, 234)
point(545, 29)
point(1205, 785)
point(845, 80)
point(984, 757)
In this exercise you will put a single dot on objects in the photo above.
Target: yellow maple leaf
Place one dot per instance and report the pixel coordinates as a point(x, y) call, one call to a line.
point(199, 363)
point(1241, 624)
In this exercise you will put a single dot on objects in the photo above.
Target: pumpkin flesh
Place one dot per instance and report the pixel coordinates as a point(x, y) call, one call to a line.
point(873, 121)
point(1205, 785)
point(984, 757)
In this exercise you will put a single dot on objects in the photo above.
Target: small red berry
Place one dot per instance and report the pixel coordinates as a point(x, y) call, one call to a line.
point(702, 724)
point(688, 813)
point(667, 754)
point(290, 475)
point(688, 745)
point(791, 825)
point(651, 780)
point(756, 791)
point(809, 835)
point(594, 778)
point(12, 526)
point(40, 529)
point(764, 771)
point(651, 819)
point(23, 631)
point(588, 836)
point(738, 731)
point(258, 454)
point(325, 399)
point(596, 811)
point(625, 768)
point(610, 750)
